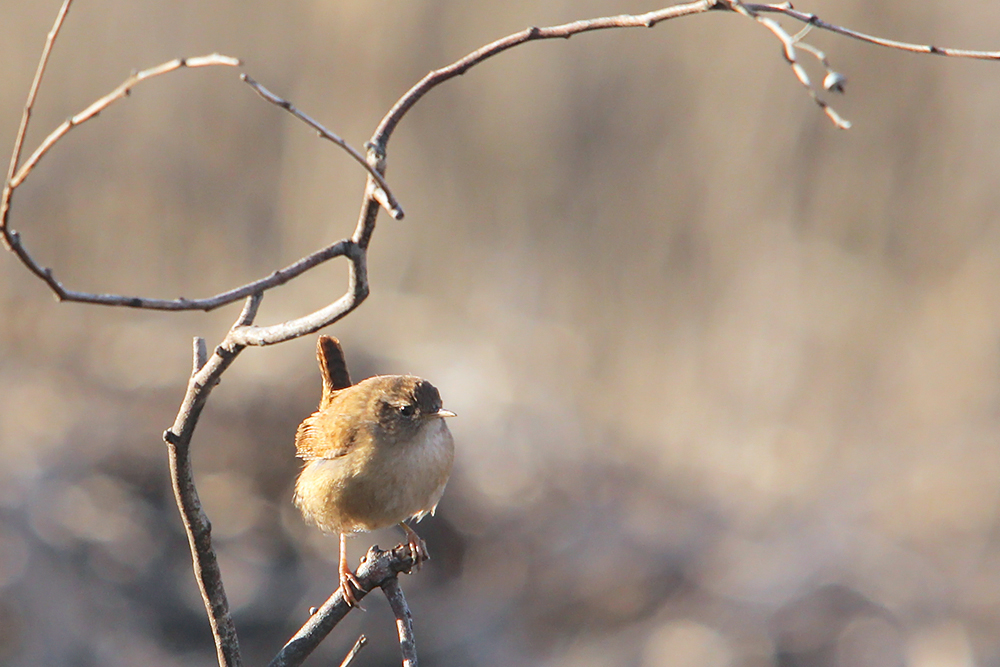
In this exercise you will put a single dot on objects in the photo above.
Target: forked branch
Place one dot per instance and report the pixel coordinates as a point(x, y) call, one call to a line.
point(377, 568)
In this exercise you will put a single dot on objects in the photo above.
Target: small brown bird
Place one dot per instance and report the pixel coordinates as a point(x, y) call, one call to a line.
point(377, 453)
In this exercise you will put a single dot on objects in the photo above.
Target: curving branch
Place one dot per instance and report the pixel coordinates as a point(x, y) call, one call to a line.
point(11, 238)
point(16, 176)
point(357, 291)
point(275, 279)
point(532, 34)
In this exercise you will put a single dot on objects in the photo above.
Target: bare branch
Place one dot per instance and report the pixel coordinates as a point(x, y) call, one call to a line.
point(376, 568)
point(388, 201)
point(834, 80)
point(648, 20)
point(404, 620)
point(353, 653)
point(206, 565)
point(200, 354)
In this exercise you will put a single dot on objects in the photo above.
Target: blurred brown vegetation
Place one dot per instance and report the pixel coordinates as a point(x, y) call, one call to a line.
point(727, 378)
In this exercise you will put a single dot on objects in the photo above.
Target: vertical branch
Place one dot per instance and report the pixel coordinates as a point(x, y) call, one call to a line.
point(206, 565)
point(199, 532)
point(204, 377)
point(404, 620)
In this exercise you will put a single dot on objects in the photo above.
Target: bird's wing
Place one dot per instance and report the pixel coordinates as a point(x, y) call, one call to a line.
point(326, 435)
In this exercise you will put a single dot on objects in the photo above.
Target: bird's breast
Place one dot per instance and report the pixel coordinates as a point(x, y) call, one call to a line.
point(380, 488)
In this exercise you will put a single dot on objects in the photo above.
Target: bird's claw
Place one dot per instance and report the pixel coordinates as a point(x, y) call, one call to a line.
point(417, 547)
point(348, 584)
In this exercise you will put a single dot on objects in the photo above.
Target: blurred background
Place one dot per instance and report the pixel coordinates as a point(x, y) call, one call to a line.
point(728, 379)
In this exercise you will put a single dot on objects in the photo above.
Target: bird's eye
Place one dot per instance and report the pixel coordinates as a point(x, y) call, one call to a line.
point(407, 410)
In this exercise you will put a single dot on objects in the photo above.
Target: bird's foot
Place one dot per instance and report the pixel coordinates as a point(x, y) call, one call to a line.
point(418, 548)
point(348, 584)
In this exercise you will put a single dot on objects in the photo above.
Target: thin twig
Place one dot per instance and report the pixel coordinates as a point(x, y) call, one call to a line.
point(376, 567)
point(29, 104)
point(353, 653)
point(388, 200)
point(200, 354)
point(812, 19)
point(249, 312)
point(404, 620)
point(275, 279)
point(791, 55)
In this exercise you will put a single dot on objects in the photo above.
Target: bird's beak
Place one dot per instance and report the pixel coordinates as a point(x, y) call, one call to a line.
point(445, 413)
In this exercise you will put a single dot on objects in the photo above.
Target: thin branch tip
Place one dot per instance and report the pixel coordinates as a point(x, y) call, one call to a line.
point(358, 645)
point(199, 353)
